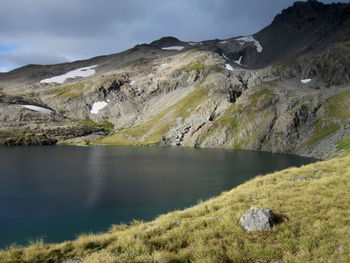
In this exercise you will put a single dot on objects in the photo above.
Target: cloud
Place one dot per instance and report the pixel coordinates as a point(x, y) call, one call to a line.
point(11, 59)
point(47, 31)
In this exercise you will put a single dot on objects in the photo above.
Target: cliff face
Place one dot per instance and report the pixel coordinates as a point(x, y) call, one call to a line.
point(251, 93)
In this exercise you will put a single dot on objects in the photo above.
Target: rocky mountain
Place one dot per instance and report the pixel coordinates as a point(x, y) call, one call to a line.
point(284, 89)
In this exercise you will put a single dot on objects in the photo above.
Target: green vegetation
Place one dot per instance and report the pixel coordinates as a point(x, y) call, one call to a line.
point(338, 107)
point(236, 119)
point(27, 94)
point(344, 145)
point(151, 132)
point(261, 96)
point(336, 112)
point(194, 66)
point(24, 137)
point(313, 226)
point(321, 130)
point(68, 91)
point(105, 125)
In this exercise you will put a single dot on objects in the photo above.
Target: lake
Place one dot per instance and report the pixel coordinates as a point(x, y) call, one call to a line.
point(59, 192)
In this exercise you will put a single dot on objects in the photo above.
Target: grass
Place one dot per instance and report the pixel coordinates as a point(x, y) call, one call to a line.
point(313, 226)
point(261, 96)
point(336, 114)
point(105, 125)
point(152, 131)
point(24, 137)
point(321, 131)
point(237, 119)
point(344, 145)
point(194, 66)
point(68, 91)
point(338, 107)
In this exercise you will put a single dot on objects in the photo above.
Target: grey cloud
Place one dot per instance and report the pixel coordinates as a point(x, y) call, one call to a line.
point(47, 31)
point(27, 57)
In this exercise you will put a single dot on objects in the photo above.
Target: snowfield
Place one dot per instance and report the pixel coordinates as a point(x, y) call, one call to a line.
point(97, 106)
point(80, 72)
point(229, 67)
point(305, 81)
point(239, 60)
point(38, 109)
point(178, 48)
point(246, 39)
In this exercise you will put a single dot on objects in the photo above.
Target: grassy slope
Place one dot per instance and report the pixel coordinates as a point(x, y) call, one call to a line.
point(314, 226)
point(336, 112)
point(151, 132)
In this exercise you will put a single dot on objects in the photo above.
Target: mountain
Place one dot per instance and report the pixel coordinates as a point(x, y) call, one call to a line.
point(284, 89)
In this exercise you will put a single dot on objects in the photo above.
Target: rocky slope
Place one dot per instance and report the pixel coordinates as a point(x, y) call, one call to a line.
point(285, 89)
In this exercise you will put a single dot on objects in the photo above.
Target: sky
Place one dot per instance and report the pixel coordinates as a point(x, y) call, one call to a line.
point(55, 31)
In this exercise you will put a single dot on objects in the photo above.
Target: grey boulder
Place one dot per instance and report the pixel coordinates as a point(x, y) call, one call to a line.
point(256, 219)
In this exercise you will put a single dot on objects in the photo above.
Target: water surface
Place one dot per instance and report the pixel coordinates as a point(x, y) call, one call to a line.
point(58, 192)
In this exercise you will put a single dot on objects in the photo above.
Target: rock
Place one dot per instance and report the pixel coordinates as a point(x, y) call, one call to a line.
point(302, 178)
point(256, 219)
point(177, 223)
point(298, 179)
point(341, 250)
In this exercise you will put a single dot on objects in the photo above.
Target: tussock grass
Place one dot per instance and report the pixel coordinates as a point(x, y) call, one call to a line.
point(313, 216)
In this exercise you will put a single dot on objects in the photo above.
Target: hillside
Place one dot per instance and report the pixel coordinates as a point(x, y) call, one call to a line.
point(313, 226)
point(250, 92)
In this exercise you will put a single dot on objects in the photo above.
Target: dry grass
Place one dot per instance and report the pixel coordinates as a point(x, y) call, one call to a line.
point(314, 226)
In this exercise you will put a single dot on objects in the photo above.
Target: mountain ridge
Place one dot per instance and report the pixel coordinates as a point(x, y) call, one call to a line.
point(239, 93)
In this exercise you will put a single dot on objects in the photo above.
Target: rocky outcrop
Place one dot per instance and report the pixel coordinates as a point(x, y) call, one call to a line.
point(22, 126)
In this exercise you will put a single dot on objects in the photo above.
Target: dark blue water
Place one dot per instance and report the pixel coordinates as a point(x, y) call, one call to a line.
point(58, 192)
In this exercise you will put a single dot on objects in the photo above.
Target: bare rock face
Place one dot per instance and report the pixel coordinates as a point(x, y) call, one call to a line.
point(257, 219)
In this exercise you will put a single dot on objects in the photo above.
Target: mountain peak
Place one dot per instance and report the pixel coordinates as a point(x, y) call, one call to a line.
point(167, 41)
point(304, 12)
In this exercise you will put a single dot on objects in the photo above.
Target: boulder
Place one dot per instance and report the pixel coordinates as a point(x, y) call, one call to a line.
point(256, 219)
point(298, 179)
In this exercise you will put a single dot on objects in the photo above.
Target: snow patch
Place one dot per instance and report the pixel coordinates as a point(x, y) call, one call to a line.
point(239, 60)
point(305, 81)
point(80, 72)
point(229, 67)
point(223, 42)
point(38, 109)
point(178, 48)
point(97, 106)
point(246, 39)
point(193, 43)
point(225, 57)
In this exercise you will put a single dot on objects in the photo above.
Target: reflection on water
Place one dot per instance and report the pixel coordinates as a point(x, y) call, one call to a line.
point(97, 176)
point(58, 192)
